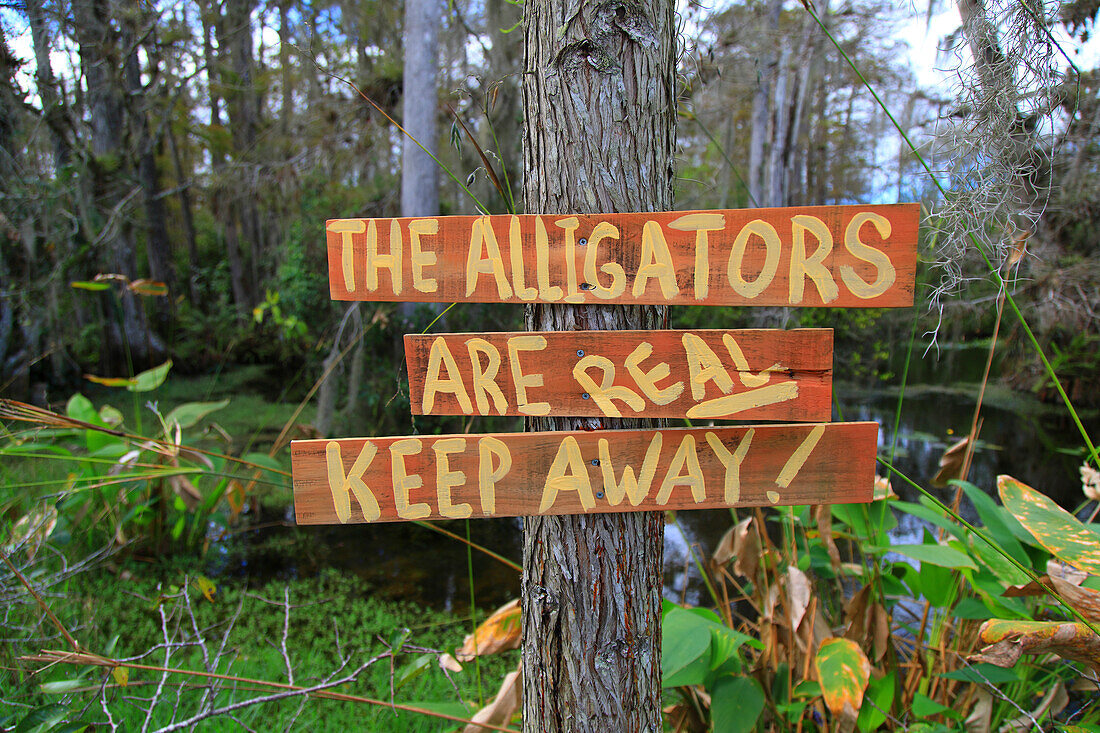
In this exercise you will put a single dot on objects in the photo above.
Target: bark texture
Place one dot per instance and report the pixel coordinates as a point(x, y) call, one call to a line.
point(419, 173)
point(599, 136)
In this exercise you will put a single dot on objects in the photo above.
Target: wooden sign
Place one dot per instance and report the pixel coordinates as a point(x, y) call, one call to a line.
point(512, 474)
point(712, 374)
point(838, 256)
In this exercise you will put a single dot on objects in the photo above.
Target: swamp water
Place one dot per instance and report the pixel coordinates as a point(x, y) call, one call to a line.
point(1034, 442)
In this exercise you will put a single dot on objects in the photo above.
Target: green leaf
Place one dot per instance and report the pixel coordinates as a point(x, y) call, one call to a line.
point(53, 688)
point(265, 461)
point(929, 515)
point(876, 703)
point(736, 704)
point(1058, 531)
point(983, 673)
point(685, 646)
point(1000, 525)
point(844, 673)
point(150, 379)
point(926, 707)
point(941, 555)
point(42, 719)
point(89, 285)
point(80, 408)
point(188, 415)
point(413, 669)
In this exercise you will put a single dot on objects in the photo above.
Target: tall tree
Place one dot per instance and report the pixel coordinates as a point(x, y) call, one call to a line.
point(599, 136)
point(419, 173)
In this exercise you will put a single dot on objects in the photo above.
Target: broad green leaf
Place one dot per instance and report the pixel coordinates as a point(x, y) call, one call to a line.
point(1001, 566)
point(413, 669)
point(42, 719)
point(80, 408)
point(1062, 534)
point(1001, 526)
point(189, 414)
point(933, 554)
point(844, 672)
point(876, 703)
point(735, 704)
point(926, 707)
point(150, 379)
point(53, 688)
point(983, 673)
point(930, 515)
point(685, 647)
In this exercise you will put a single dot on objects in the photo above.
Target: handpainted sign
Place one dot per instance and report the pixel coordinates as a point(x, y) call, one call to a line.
point(837, 256)
point(513, 474)
point(707, 374)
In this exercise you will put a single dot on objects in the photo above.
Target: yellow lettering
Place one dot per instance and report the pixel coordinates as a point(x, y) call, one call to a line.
point(345, 228)
point(483, 238)
point(421, 259)
point(648, 380)
point(568, 458)
point(812, 267)
point(547, 293)
point(732, 463)
point(700, 223)
point(440, 356)
point(732, 404)
point(655, 261)
point(487, 476)
point(603, 393)
point(446, 479)
point(767, 232)
point(686, 458)
point(484, 378)
point(601, 231)
point(747, 378)
point(570, 224)
point(522, 381)
point(515, 245)
point(704, 366)
point(341, 485)
point(391, 261)
point(885, 274)
point(403, 483)
point(635, 489)
point(798, 459)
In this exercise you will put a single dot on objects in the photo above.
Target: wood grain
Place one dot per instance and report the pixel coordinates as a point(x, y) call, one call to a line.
point(515, 474)
point(750, 374)
point(836, 256)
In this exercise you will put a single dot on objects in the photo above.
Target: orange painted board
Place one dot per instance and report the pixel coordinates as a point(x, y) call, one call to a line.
point(836, 256)
point(512, 474)
point(751, 374)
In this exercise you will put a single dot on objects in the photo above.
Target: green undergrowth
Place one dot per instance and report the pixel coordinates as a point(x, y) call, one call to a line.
point(332, 617)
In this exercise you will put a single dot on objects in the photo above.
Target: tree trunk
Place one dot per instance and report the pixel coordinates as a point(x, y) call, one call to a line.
point(53, 109)
point(599, 136)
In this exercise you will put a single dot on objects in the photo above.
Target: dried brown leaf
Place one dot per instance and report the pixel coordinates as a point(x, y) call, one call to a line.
point(1008, 640)
point(498, 633)
point(186, 490)
point(799, 592)
point(1066, 572)
point(981, 715)
point(1090, 482)
point(502, 708)
point(1052, 703)
point(446, 661)
point(1085, 600)
point(746, 548)
point(723, 553)
point(951, 463)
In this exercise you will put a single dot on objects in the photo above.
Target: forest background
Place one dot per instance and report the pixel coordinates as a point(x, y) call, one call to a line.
point(167, 169)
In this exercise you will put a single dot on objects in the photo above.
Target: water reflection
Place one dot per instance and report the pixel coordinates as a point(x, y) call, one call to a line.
point(1035, 443)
